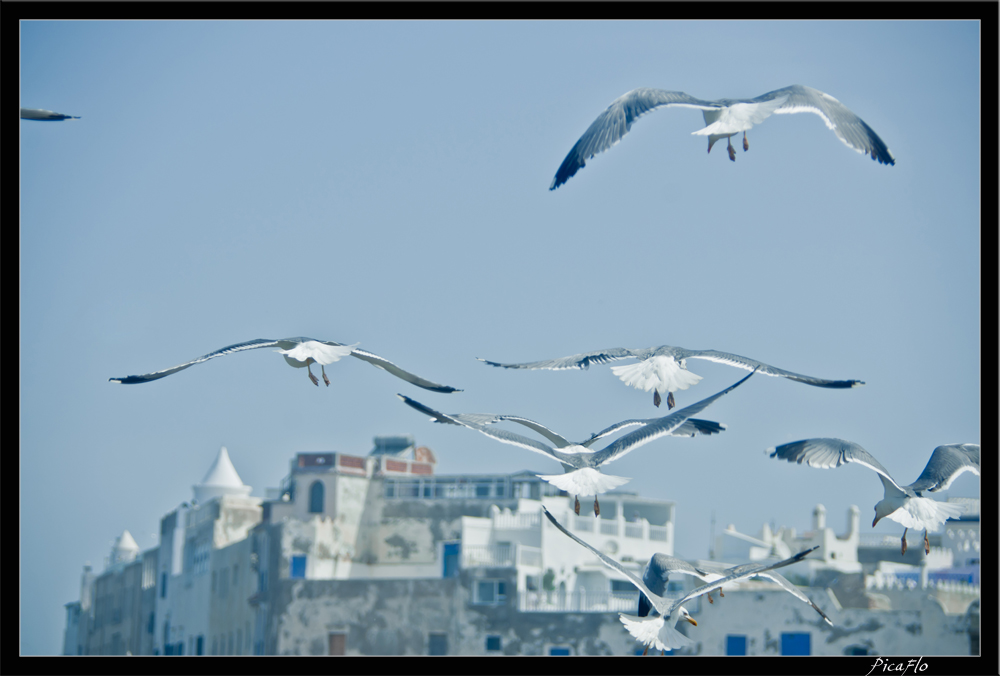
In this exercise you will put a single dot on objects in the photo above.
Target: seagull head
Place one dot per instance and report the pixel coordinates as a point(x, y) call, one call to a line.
point(687, 616)
point(884, 508)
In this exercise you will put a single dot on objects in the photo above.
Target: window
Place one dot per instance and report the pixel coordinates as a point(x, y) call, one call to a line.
point(856, 650)
point(451, 552)
point(736, 645)
point(557, 651)
point(491, 592)
point(795, 643)
point(437, 644)
point(622, 586)
point(163, 585)
point(338, 643)
point(493, 643)
point(199, 647)
point(298, 567)
point(316, 497)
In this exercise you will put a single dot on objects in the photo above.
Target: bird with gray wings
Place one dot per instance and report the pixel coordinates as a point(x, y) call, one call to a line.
point(664, 368)
point(724, 118)
point(45, 115)
point(905, 505)
point(581, 465)
point(659, 630)
point(298, 352)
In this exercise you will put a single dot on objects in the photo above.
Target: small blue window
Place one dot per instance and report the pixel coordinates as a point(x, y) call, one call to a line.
point(736, 645)
point(493, 643)
point(298, 567)
point(451, 552)
point(795, 643)
point(437, 644)
point(316, 498)
point(558, 651)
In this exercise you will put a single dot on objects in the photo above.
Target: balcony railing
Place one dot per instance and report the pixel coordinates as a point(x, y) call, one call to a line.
point(474, 556)
point(580, 601)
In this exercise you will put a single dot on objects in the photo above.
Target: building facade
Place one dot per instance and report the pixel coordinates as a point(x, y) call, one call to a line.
point(379, 555)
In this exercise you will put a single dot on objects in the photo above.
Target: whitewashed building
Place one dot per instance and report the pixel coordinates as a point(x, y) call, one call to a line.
point(378, 555)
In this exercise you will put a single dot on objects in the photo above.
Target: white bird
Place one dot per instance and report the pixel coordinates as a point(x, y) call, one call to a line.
point(664, 368)
point(45, 115)
point(661, 565)
point(723, 119)
point(581, 465)
point(659, 632)
point(298, 353)
point(903, 504)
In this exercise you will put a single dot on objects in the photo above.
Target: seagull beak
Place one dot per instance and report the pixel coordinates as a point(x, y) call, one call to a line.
point(691, 620)
point(875, 521)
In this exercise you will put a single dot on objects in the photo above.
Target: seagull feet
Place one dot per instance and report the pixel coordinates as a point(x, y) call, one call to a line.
point(325, 380)
point(721, 595)
point(576, 507)
point(656, 399)
point(927, 544)
point(904, 543)
point(709, 595)
point(645, 651)
point(732, 153)
point(597, 507)
point(670, 401)
point(746, 144)
point(314, 379)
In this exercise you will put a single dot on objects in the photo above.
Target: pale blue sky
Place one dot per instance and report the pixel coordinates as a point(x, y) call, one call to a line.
point(386, 183)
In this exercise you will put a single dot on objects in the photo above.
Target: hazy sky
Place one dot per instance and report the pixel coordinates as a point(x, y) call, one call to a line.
point(387, 183)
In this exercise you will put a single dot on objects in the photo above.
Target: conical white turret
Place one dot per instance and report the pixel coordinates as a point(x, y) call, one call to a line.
point(221, 479)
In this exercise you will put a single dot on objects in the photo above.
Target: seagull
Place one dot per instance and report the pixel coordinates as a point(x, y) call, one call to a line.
point(298, 353)
point(43, 115)
point(723, 119)
point(661, 566)
point(903, 504)
point(664, 368)
point(581, 465)
point(659, 632)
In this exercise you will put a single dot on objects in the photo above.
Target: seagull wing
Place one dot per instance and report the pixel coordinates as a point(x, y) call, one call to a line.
point(657, 601)
point(848, 127)
point(946, 463)
point(690, 428)
point(387, 365)
point(793, 590)
point(498, 434)
point(657, 428)
point(657, 574)
point(487, 419)
point(828, 453)
point(611, 125)
point(45, 115)
point(576, 361)
point(287, 343)
point(751, 364)
point(739, 573)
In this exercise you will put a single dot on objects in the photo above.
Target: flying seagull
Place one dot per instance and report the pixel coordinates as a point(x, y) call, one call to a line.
point(298, 353)
point(664, 368)
point(903, 504)
point(581, 465)
point(723, 119)
point(659, 632)
point(710, 571)
point(38, 114)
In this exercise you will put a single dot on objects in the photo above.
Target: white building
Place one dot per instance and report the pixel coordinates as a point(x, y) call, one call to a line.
point(377, 554)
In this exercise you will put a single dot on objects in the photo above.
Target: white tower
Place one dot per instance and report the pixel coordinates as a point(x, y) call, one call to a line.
point(221, 479)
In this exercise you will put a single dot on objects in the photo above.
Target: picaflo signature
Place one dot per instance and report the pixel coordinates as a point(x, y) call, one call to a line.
point(900, 668)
